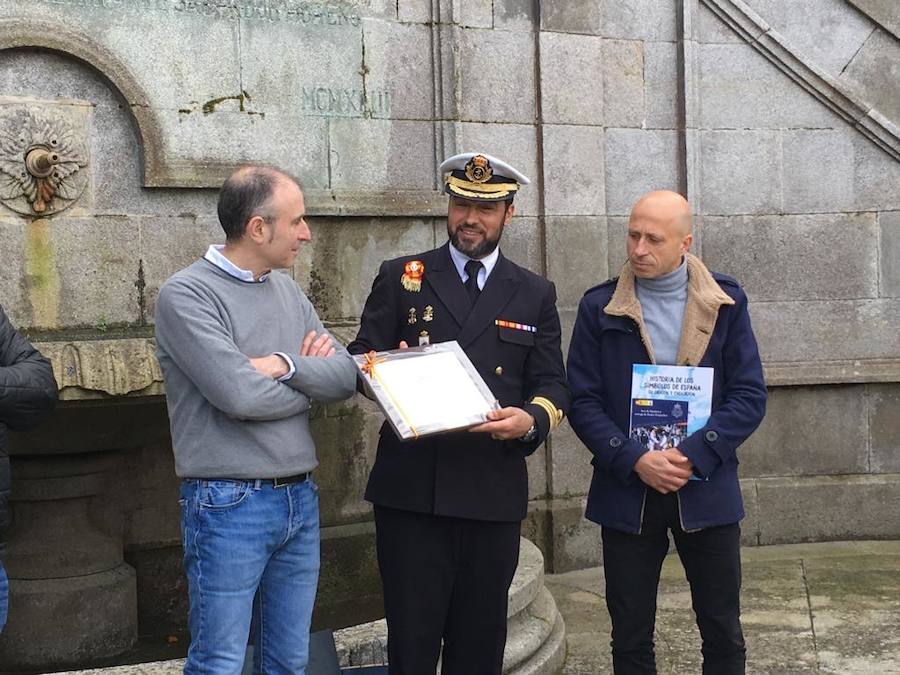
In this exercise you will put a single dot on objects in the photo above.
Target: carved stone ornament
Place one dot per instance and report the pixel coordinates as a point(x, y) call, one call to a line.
point(41, 161)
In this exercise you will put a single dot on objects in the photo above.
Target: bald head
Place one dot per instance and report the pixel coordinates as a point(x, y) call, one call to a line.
point(665, 207)
point(659, 233)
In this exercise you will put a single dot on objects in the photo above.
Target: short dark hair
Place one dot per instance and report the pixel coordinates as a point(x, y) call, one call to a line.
point(246, 193)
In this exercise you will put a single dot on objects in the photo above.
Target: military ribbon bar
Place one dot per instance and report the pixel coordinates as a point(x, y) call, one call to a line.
point(517, 326)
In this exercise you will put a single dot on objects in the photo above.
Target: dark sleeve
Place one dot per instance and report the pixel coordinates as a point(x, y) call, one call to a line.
point(545, 375)
point(613, 450)
point(743, 400)
point(379, 329)
point(28, 390)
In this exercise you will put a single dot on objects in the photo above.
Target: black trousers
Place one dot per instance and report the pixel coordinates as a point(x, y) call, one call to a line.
point(712, 562)
point(445, 578)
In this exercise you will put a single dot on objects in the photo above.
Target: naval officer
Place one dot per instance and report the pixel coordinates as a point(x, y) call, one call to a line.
point(448, 508)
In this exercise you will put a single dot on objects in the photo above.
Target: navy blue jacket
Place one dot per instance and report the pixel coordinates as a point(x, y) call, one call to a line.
point(603, 348)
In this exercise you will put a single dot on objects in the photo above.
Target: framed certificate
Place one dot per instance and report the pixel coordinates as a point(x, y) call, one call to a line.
point(427, 390)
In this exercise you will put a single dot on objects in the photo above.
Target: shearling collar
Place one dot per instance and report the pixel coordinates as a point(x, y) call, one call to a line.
point(704, 298)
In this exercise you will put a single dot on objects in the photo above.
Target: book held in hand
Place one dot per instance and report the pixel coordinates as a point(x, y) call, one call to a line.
point(668, 404)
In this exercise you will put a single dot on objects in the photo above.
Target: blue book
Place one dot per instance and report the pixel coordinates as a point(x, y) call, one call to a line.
point(668, 404)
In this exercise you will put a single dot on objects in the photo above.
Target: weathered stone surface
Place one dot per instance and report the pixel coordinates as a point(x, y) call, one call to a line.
point(750, 524)
point(710, 29)
point(741, 172)
point(576, 541)
point(571, 463)
point(823, 508)
point(827, 330)
point(337, 267)
point(573, 170)
point(521, 242)
point(349, 585)
point(875, 69)
point(568, 17)
point(816, 442)
point(537, 473)
point(330, 59)
point(162, 589)
point(617, 229)
point(889, 229)
point(575, 243)
point(829, 36)
point(369, 154)
point(875, 177)
point(884, 428)
point(884, 12)
point(783, 257)
point(569, 64)
point(830, 187)
point(660, 85)
point(474, 13)
point(170, 244)
point(399, 62)
point(226, 139)
point(623, 83)
point(413, 11)
point(638, 161)
point(514, 143)
point(639, 20)
point(495, 67)
point(740, 89)
point(42, 613)
point(514, 14)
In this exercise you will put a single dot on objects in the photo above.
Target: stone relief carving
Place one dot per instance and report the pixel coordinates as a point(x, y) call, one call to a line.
point(41, 160)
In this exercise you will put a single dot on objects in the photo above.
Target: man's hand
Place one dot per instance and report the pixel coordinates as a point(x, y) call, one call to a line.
point(665, 471)
point(506, 424)
point(314, 345)
point(272, 366)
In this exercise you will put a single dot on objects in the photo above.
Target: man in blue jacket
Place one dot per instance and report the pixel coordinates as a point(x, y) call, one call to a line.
point(666, 308)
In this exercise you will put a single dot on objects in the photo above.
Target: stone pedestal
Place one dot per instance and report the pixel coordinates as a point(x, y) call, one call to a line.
point(72, 598)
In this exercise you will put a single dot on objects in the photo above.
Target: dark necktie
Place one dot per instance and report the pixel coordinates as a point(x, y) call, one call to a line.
point(473, 267)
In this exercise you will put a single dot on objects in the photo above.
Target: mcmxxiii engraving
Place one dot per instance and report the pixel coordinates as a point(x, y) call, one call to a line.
point(41, 161)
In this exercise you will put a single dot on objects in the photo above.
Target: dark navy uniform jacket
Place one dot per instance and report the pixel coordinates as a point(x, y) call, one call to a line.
point(601, 353)
point(465, 474)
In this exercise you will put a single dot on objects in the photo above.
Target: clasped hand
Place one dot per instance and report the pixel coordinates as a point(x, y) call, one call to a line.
point(664, 470)
point(275, 366)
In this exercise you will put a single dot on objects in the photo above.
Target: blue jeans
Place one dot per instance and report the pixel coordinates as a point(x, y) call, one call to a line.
point(250, 549)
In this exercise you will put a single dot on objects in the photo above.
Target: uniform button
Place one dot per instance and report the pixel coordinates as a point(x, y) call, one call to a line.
point(712, 436)
point(498, 370)
point(615, 442)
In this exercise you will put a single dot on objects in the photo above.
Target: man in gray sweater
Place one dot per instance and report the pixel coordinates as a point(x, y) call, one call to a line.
point(243, 353)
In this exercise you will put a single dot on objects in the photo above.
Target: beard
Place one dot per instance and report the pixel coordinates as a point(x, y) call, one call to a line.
point(476, 251)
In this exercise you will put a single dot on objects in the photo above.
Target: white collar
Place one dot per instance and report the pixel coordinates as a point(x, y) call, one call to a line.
point(215, 256)
point(460, 259)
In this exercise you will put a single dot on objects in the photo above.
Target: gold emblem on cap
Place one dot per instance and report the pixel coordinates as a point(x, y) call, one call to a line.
point(478, 169)
point(428, 315)
point(411, 318)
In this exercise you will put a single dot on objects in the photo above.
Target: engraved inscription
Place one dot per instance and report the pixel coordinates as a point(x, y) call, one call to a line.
point(301, 13)
point(339, 102)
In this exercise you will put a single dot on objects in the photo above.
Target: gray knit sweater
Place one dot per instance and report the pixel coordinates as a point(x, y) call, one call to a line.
point(662, 304)
point(228, 420)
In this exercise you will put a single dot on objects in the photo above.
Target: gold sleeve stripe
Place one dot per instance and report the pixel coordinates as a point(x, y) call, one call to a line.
point(553, 413)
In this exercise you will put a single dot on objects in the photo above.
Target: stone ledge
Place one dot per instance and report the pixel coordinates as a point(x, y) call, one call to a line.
point(886, 13)
point(786, 374)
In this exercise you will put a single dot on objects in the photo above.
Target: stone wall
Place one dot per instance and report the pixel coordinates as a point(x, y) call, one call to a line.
point(778, 120)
